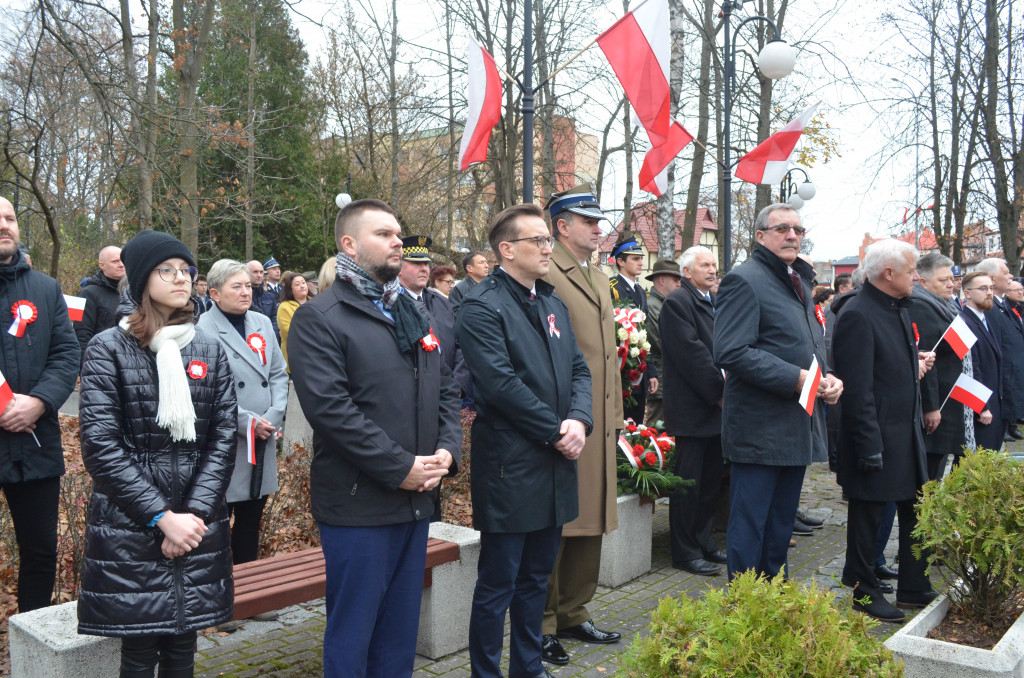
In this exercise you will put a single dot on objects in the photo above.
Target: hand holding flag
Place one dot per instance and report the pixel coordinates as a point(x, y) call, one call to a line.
point(810, 390)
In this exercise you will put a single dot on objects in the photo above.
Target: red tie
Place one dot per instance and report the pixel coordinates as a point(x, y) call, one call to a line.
point(798, 286)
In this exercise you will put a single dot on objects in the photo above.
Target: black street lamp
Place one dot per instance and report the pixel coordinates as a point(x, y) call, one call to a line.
point(796, 195)
point(775, 61)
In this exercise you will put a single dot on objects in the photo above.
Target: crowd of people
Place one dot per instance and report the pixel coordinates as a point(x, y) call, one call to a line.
point(185, 378)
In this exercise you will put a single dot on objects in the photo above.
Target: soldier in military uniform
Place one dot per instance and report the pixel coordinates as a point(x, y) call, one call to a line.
point(629, 260)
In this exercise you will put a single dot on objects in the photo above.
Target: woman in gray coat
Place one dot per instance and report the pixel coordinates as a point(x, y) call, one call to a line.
point(261, 385)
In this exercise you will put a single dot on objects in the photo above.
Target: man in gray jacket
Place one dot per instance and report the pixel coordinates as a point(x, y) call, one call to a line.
point(766, 336)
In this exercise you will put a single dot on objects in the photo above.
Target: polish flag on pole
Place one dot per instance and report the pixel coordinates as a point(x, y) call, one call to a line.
point(972, 393)
point(638, 47)
point(250, 440)
point(959, 336)
point(484, 105)
point(6, 394)
point(769, 161)
point(810, 390)
point(76, 307)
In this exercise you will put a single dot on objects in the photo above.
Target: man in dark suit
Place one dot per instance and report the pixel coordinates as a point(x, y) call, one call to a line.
point(386, 428)
point(986, 358)
point(931, 313)
point(766, 336)
point(533, 415)
point(1010, 333)
point(629, 260)
point(693, 413)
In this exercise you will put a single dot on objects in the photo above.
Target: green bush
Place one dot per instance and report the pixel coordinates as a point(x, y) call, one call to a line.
point(757, 627)
point(973, 522)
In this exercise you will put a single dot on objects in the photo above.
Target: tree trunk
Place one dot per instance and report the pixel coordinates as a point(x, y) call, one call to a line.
point(703, 118)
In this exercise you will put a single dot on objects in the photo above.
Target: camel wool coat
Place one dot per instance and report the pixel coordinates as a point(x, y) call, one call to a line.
point(591, 314)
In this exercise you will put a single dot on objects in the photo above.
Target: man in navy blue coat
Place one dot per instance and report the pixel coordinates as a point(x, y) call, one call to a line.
point(533, 415)
point(986, 357)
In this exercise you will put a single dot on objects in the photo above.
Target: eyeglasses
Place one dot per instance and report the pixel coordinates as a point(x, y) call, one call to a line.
point(979, 289)
point(446, 281)
point(170, 274)
point(783, 229)
point(539, 240)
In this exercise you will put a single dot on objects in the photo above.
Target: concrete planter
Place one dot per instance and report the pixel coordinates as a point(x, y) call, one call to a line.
point(626, 552)
point(445, 606)
point(927, 658)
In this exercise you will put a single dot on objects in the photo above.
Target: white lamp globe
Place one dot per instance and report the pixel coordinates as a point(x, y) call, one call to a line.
point(806, 190)
point(795, 201)
point(342, 199)
point(776, 60)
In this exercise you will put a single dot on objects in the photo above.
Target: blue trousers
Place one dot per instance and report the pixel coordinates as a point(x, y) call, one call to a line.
point(762, 506)
point(374, 588)
point(512, 576)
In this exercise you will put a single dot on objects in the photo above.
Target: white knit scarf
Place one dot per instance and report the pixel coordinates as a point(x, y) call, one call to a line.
point(174, 409)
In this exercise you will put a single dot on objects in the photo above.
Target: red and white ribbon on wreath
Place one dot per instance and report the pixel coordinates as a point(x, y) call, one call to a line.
point(257, 343)
point(24, 313)
point(627, 450)
point(430, 342)
point(628, 317)
point(250, 440)
point(552, 330)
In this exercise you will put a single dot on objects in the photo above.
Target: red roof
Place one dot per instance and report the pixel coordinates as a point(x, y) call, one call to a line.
point(644, 224)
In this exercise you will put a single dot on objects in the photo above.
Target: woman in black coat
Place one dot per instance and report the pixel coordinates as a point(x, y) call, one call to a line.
point(158, 419)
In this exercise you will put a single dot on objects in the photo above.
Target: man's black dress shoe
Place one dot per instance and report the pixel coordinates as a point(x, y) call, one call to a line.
point(813, 523)
point(882, 586)
point(886, 572)
point(799, 528)
point(1007, 438)
point(915, 600)
point(716, 556)
point(542, 674)
point(589, 633)
point(552, 651)
point(698, 566)
point(879, 608)
point(1015, 432)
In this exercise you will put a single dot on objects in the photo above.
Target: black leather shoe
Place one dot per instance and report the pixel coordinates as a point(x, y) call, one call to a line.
point(886, 572)
point(1015, 432)
point(552, 651)
point(716, 556)
point(916, 600)
point(882, 586)
point(881, 609)
point(810, 522)
point(799, 528)
point(698, 566)
point(1007, 438)
point(542, 674)
point(589, 633)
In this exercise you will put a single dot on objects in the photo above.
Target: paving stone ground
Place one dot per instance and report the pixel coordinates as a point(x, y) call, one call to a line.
point(292, 646)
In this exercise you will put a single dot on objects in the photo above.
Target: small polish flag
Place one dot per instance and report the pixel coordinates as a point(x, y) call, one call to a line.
point(250, 440)
point(970, 392)
point(960, 337)
point(76, 307)
point(769, 161)
point(810, 390)
point(6, 394)
point(484, 99)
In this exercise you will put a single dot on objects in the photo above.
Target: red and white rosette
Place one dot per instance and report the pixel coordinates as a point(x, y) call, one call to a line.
point(258, 344)
point(552, 330)
point(628, 318)
point(430, 341)
point(196, 369)
point(24, 312)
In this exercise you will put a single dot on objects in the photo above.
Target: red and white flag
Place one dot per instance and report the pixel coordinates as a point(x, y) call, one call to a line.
point(484, 100)
point(769, 161)
point(76, 307)
point(972, 393)
point(638, 47)
point(810, 390)
point(6, 394)
point(250, 440)
point(960, 337)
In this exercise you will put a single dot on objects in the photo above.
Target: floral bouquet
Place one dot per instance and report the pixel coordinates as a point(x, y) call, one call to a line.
point(633, 347)
point(645, 461)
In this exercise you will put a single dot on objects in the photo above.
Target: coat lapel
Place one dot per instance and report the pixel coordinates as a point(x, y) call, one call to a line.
point(572, 271)
point(229, 337)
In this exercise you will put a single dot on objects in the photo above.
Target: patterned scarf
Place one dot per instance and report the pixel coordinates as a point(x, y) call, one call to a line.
point(410, 325)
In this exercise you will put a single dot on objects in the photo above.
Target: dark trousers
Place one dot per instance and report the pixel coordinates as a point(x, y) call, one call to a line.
point(936, 465)
point(691, 511)
point(861, 532)
point(762, 506)
point(174, 654)
point(884, 529)
point(512, 576)
point(374, 587)
point(33, 506)
point(245, 532)
point(991, 436)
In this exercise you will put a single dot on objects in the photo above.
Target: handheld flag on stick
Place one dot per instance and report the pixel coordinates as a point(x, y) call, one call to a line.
point(484, 106)
point(970, 392)
point(769, 161)
point(959, 336)
point(76, 307)
point(810, 390)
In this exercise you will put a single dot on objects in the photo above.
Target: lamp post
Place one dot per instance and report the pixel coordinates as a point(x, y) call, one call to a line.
point(796, 195)
point(775, 61)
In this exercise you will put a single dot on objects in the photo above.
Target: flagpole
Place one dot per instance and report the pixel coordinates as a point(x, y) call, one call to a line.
point(946, 400)
point(528, 93)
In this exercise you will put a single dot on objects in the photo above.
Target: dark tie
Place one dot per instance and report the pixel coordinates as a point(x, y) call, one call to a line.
point(798, 286)
point(533, 295)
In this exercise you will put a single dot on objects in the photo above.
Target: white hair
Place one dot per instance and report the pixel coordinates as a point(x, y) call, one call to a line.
point(222, 270)
point(990, 266)
point(886, 253)
point(687, 258)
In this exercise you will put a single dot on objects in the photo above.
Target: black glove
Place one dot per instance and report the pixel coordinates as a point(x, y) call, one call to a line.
point(870, 464)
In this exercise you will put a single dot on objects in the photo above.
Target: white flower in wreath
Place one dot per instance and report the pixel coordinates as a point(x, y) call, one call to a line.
point(634, 352)
point(643, 335)
point(647, 346)
point(634, 337)
point(622, 334)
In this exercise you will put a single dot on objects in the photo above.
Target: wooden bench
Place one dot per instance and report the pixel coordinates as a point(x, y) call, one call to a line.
point(293, 578)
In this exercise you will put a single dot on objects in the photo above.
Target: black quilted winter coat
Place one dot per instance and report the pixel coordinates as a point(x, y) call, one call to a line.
point(128, 587)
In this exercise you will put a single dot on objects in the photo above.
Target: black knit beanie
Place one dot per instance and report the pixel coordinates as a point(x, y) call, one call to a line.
point(145, 252)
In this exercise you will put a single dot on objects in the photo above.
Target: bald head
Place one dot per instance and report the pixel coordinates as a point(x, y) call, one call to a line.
point(110, 262)
point(10, 236)
point(255, 272)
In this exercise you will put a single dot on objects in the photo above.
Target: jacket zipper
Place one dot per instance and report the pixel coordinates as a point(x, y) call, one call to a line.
point(179, 566)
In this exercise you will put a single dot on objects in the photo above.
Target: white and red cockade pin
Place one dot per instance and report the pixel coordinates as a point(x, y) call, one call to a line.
point(552, 330)
point(430, 341)
point(196, 369)
point(257, 343)
point(24, 312)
